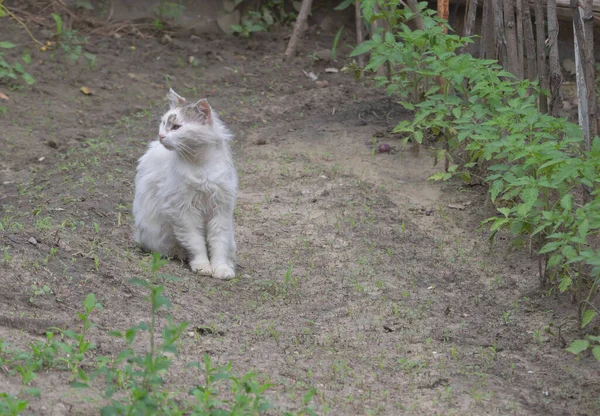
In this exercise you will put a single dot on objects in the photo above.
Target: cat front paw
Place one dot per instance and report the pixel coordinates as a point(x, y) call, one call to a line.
point(201, 267)
point(223, 271)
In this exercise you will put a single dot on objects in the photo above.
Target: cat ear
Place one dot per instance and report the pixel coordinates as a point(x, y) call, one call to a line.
point(204, 110)
point(175, 100)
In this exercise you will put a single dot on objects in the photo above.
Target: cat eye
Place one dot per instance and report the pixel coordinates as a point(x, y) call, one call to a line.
point(176, 126)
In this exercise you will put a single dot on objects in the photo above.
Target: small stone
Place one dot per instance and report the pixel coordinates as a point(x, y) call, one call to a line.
point(32, 241)
point(166, 39)
point(322, 84)
point(327, 24)
point(384, 148)
point(323, 54)
point(569, 66)
point(191, 334)
point(226, 20)
point(428, 212)
point(59, 409)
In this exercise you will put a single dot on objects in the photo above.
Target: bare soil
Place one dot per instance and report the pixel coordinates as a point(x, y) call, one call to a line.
point(395, 302)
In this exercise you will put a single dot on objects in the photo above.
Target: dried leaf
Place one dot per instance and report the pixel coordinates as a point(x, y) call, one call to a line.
point(311, 75)
point(87, 91)
point(456, 206)
point(4, 96)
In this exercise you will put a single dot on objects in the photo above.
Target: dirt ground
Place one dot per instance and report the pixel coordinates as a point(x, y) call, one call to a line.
point(395, 302)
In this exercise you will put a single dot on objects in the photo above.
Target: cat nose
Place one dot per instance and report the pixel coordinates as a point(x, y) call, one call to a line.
point(161, 136)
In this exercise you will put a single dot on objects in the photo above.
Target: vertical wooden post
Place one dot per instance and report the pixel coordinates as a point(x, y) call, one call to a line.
point(584, 64)
point(589, 65)
point(499, 31)
point(529, 41)
point(510, 30)
point(443, 9)
point(556, 101)
point(486, 46)
point(520, 38)
point(471, 16)
point(542, 69)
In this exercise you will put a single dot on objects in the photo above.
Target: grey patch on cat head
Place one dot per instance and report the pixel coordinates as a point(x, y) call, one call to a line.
point(175, 100)
point(200, 111)
point(171, 119)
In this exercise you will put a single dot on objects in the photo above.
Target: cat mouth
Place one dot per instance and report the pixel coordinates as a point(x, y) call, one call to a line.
point(167, 145)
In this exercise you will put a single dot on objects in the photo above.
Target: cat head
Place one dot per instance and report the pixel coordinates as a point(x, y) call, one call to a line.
point(187, 127)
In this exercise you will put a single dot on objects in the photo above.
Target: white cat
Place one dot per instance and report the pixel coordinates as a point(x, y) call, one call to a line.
point(185, 190)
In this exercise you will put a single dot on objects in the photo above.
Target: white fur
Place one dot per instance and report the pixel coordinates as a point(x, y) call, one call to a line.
point(185, 190)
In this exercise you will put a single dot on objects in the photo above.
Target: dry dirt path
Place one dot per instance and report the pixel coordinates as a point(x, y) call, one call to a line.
point(357, 277)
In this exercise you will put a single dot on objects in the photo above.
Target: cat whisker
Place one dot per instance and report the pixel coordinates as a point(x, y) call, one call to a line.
point(187, 152)
point(184, 154)
point(185, 146)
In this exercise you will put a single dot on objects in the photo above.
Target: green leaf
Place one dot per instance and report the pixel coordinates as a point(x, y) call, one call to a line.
point(496, 188)
point(59, 23)
point(33, 391)
point(90, 302)
point(28, 78)
point(389, 38)
point(504, 211)
point(498, 223)
point(84, 4)
point(335, 43)
point(596, 352)
point(363, 48)
point(139, 282)
point(583, 228)
point(569, 252)
point(418, 135)
point(578, 346)
point(566, 202)
point(550, 247)
point(344, 5)
point(587, 317)
point(565, 284)
point(438, 176)
point(7, 45)
point(529, 196)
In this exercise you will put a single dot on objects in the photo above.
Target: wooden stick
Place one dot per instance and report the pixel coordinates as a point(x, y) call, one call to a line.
point(359, 34)
point(299, 28)
point(556, 102)
point(589, 64)
point(417, 15)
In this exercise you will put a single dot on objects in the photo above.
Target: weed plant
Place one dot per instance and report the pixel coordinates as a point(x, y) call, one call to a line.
point(491, 132)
